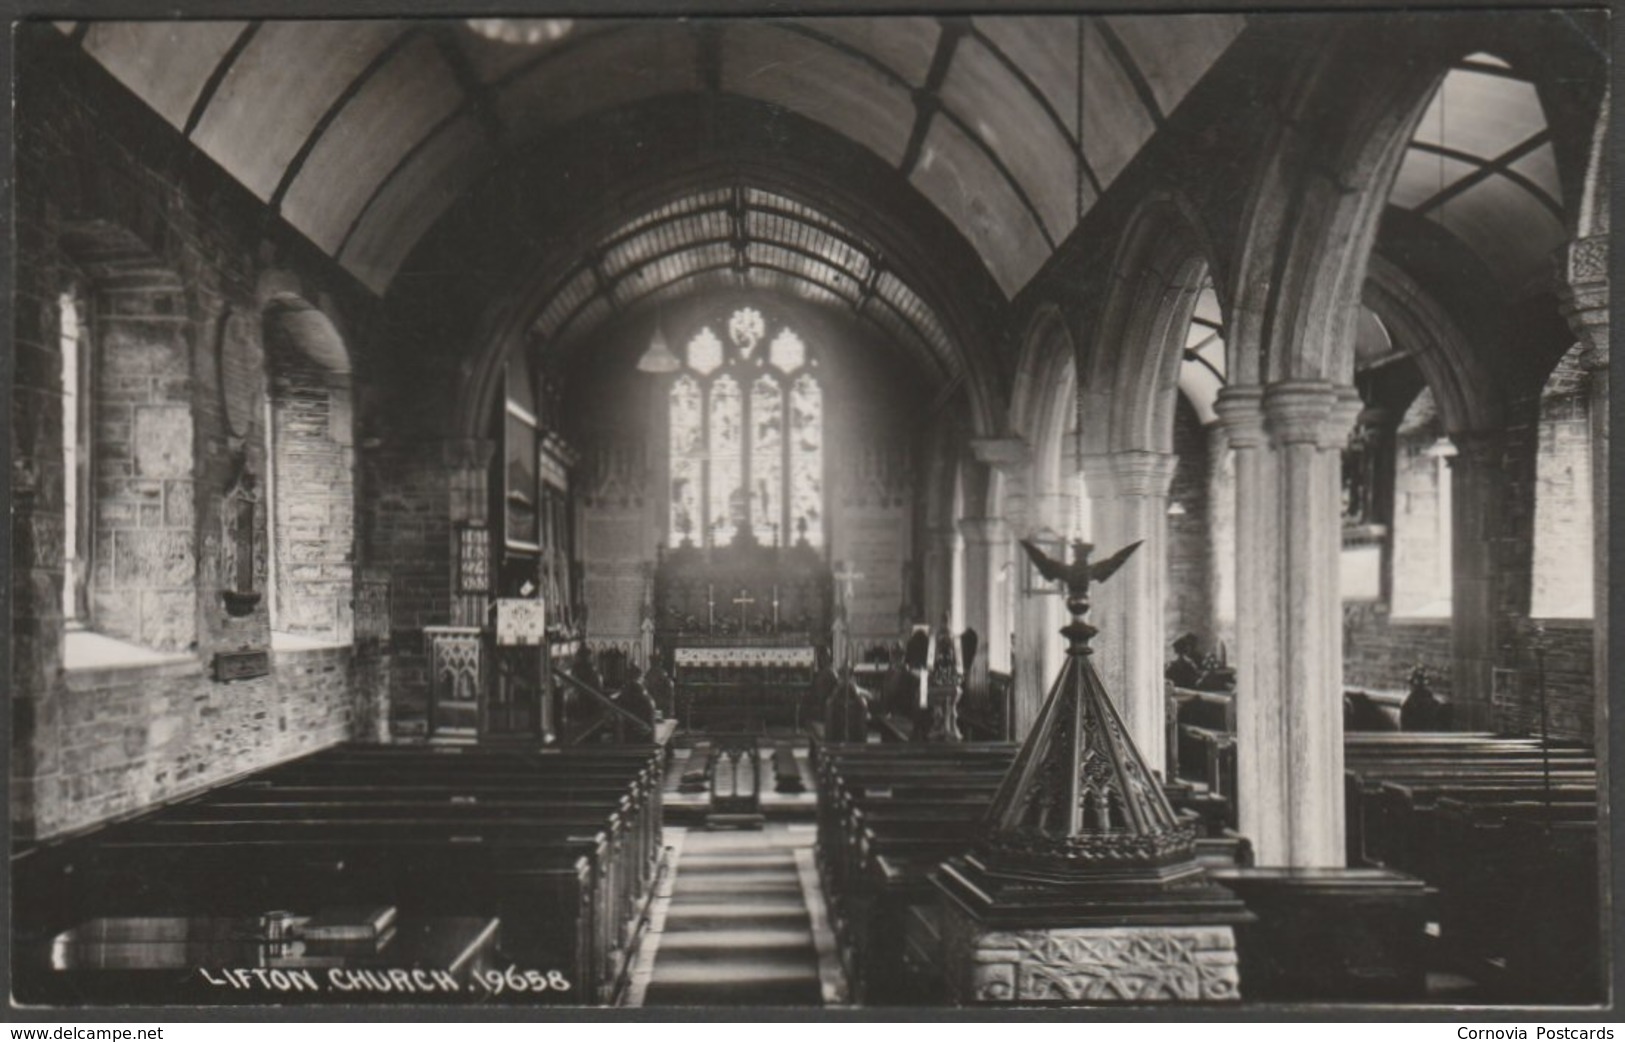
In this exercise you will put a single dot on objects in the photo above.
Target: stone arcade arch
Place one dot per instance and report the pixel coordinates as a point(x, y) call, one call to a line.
point(1038, 499)
point(1127, 405)
point(1308, 231)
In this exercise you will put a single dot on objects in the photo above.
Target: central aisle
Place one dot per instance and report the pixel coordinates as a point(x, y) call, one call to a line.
point(737, 931)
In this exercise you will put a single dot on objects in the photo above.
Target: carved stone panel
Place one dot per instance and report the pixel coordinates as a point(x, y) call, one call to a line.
point(1086, 966)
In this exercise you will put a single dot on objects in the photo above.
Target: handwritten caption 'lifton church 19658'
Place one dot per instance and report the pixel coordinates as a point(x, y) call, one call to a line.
point(397, 981)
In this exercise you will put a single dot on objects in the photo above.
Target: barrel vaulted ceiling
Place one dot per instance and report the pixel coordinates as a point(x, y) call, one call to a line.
point(362, 133)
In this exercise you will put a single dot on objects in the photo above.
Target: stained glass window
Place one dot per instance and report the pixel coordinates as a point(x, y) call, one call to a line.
point(746, 427)
point(787, 351)
point(746, 328)
point(687, 459)
point(727, 464)
point(767, 461)
point(704, 352)
point(807, 459)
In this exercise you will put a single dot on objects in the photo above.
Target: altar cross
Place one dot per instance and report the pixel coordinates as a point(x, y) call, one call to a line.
point(743, 601)
point(847, 577)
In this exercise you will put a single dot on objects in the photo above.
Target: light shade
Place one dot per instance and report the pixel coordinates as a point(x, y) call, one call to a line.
point(529, 31)
point(659, 358)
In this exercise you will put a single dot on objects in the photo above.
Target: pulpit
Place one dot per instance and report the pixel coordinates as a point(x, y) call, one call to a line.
point(491, 683)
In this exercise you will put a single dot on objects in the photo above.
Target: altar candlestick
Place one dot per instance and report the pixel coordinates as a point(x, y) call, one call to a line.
point(775, 607)
point(710, 608)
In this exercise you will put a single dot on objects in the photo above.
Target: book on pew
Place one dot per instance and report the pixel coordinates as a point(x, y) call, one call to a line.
point(322, 955)
point(350, 923)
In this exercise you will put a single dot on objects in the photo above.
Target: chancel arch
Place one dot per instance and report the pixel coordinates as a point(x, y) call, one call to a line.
point(697, 227)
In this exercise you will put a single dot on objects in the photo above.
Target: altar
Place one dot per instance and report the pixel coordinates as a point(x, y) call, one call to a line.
point(738, 630)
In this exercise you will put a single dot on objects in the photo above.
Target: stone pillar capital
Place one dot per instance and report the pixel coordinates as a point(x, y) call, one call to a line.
point(1314, 412)
point(1241, 416)
point(984, 531)
point(1006, 454)
point(1129, 472)
point(1582, 293)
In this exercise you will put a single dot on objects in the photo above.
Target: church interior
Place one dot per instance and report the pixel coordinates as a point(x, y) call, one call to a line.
point(906, 511)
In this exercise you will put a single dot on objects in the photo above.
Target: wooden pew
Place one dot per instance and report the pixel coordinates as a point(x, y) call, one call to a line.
point(1518, 884)
point(482, 775)
point(1439, 760)
point(562, 853)
point(1506, 832)
point(1406, 818)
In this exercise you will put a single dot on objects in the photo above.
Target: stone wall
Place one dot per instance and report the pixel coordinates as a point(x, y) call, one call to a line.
point(406, 534)
point(126, 739)
point(1563, 504)
point(1569, 690)
point(167, 253)
point(1385, 638)
point(1542, 535)
point(1380, 651)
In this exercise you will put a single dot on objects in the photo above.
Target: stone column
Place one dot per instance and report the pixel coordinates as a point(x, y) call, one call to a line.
point(1221, 522)
point(986, 543)
point(1478, 495)
point(1010, 467)
point(1031, 626)
point(1128, 493)
point(1261, 753)
point(936, 564)
point(1288, 442)
point(1309, 424)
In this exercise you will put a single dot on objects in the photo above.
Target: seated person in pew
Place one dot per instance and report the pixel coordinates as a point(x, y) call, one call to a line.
point(1194, 671)
point(1422, 709)
point(825, 681)
point(1186, 668)
point(635, 699)
point(660, 688)
point(846, 713)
